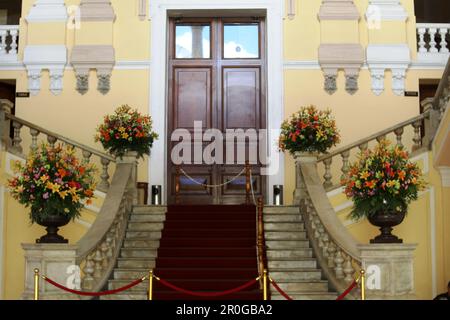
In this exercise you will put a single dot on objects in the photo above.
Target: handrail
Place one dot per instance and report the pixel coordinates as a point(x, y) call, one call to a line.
point(60, 137)
point(374, 136)
point(443, 84)
point(325, 211)
point(9, 27)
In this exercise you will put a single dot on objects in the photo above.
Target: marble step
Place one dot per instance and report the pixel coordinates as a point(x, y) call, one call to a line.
point(150, 235)
point(292, 264)
point(292, 254)
point(138, 253)
point(136, 263)
point(144, 217)
point(140, 288)
point(283, 217)
point(287, 244)
point(145, 226)
point(126, 296)
point(149, 209)
point(302, 286)
point(280, 275)
point(283, 226)
point(305, 296)
point(140, 242)
point(281, 209)
point(130, 273)
point(285, 235)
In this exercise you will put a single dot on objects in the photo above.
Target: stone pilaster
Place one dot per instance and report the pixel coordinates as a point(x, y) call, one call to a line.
point(55, 261)
point(388, 48)
point(340, 51)
point(46, 49)
point(389, 271)
point(94, 49)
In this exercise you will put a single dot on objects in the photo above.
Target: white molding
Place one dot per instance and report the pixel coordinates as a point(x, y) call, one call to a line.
point(47, 11)
point(387, 10)
point(301, 65)
point(133, 65)
point(2, 238)
point(445, 176)
point(335, 192)
point(45, 57)
point(394, 57)
point(426, 161)
point(158, 77)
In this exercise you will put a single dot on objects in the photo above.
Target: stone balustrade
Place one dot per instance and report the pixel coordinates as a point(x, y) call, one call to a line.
point(9, 39)
point(433, 42)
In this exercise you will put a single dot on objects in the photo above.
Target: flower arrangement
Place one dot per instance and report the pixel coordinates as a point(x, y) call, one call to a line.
point(126, 130)
point(309, 130)
point(53, 182)
point(382, 180)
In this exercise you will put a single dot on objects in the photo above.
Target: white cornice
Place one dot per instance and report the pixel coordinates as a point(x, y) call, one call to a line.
point(387, 10)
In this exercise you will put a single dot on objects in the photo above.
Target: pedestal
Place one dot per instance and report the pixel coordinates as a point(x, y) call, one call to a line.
point(300, 191)
point(55, 261)
point(389, 271)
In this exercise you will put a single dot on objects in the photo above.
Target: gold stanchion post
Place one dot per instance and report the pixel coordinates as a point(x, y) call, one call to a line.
point(363, 285)
point(36, 284)
point(265, 284)
point(150, 285)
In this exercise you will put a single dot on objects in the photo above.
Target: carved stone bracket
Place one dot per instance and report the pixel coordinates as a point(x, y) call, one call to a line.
point(48, 57)
point(88, 57)
point(347, 57)
point(394, 57)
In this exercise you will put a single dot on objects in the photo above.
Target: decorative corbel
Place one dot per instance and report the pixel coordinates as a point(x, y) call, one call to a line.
point(56, 80)
point(82, 75)
point(104, 80)
point(34, 81)
point(377, 76)
point(351, 80)
point(398, 81)
point(330, 83)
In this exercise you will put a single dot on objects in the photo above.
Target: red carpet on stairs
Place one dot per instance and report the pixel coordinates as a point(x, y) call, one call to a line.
point(208, 248)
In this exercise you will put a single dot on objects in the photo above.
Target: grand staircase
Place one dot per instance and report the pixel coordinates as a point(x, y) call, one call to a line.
point(290, 257)
point(213, 248)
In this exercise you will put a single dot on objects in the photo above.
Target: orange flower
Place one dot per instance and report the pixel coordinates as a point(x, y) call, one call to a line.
point(370, 184)
point(62, 173)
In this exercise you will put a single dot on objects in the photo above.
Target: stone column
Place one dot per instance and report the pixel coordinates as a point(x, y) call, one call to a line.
point(131, 157)
point(55, 261)
point(389, 271)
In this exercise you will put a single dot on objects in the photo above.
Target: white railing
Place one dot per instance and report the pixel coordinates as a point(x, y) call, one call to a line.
point(432, 41)
point(9, 38)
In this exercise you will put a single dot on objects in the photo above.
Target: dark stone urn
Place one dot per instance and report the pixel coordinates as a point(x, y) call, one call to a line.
point(52, 224)
point(385, 221)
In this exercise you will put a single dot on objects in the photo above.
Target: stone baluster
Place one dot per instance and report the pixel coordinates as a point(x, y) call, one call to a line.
point(98, 260)
point(422, 43)
point(345, 164)
point(34, 135)
point(88, 270)
point(326, 243)
point(443, 33)
point(364, 146)
point(104, 183)
point(14, 36)
point(381, 138)
point(17, 140)
point(320, 232)
point(399, 133)
point(327, 176)
point(417, 137)
point(105, 260)
point(86, 156)
point(51, 141)
point(3, 33)
point(348, 269)
point(338, 261)
point(110, 242)
point(331, 254)
point(432, 32)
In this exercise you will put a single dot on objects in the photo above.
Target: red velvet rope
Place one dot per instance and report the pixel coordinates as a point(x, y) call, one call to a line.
point(346, 292)
point(94, 294)
point(207, 294)
point(284, 294)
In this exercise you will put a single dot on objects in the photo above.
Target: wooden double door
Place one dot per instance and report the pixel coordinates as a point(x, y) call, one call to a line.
point(217, 81)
